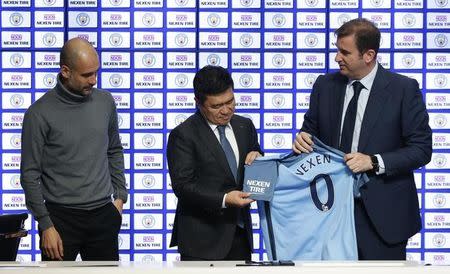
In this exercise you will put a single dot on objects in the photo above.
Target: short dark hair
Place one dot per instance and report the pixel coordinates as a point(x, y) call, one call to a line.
point(367, 35)
point(211, 80)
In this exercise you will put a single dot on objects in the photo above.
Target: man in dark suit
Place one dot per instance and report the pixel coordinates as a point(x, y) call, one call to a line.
point(206, 156)
point(384, 133)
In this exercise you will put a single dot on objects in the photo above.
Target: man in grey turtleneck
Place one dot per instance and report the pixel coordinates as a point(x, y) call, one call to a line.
point(72, 162)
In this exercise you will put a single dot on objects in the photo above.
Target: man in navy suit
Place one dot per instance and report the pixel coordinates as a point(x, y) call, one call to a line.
point(206, 156)
point(384, 132)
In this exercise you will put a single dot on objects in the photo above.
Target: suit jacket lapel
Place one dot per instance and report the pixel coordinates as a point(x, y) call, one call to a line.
point(209, 140)
point(336, 109)
point(240, 138)
point(377, 97)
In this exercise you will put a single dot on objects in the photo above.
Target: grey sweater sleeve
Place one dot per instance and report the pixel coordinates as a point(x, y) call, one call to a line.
point(115, 159)
point(33, 140)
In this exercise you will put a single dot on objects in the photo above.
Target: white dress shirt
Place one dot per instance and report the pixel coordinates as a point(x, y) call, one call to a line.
point(367, 81)
point(229, 133)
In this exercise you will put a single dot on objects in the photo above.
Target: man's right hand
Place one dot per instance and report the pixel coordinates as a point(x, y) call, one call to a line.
point(52, 245)
point(237, 198)
point(302, 143)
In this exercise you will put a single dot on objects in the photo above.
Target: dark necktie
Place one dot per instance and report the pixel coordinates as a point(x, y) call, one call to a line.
point(226, 146)
point(229, 153)
point(349, 119)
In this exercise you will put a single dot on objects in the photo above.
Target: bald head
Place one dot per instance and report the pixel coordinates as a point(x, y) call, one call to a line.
point(79, 65)
point(74, 50)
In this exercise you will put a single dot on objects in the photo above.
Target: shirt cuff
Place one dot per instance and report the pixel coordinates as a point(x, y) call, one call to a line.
point(382, 168)
point(121, 194)
point(223, 201)
point(44, 223)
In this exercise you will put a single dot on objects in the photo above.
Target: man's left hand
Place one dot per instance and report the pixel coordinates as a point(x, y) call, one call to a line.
point(118, 203)
point(237, 198)
point(251, 156)
point(358, 162)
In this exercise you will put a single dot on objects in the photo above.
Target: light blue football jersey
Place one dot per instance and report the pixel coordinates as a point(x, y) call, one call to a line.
point(310, 216)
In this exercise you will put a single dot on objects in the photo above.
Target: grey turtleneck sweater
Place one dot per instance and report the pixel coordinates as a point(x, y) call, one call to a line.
point(71, 152)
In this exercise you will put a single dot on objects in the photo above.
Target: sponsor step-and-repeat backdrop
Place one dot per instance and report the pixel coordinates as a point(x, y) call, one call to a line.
point(275, 49)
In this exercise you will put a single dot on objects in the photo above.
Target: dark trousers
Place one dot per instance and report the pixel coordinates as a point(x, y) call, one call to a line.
point(240, 249)
point(370, 245)
point(91, 233)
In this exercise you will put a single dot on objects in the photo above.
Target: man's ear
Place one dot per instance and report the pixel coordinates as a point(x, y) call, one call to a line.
point(197, 102)
point(369, 56)
point(65, 71)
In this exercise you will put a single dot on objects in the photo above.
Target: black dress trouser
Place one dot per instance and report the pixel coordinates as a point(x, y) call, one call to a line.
point(91, 233)
point(370, 245)
point(240, 249)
